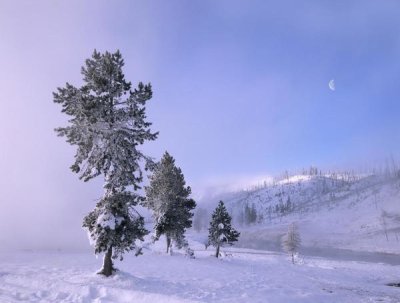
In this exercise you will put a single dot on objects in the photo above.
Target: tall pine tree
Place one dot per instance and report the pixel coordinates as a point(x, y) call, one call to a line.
point(221, 232)
point(107, 125)
point(168, 197)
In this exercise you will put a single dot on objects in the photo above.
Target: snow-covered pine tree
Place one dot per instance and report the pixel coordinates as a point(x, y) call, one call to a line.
point(291, 241)
point(221, 232)
point(107, 125)
point(168, 197)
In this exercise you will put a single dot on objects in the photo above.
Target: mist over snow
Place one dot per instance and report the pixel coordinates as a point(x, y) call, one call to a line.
point(214, 186)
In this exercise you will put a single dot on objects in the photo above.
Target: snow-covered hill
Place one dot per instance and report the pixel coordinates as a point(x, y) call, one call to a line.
point(346, 211)
point(346, 222)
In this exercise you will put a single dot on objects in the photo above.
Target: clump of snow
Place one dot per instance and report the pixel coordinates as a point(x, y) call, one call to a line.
point(222, 237)
point(294, 179)
point(108, 220)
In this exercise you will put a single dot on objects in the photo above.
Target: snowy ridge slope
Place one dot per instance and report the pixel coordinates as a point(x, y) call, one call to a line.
point(359, 212)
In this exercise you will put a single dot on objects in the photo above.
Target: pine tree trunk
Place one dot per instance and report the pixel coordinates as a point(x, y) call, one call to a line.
point(168, 244)
point(293, 258)
point(108, 267)
point(217, 252)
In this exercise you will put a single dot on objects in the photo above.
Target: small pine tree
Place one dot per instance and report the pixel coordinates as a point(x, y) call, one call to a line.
point(107, 125)
point(168, 197)
point(291, 240)
point(221, 232)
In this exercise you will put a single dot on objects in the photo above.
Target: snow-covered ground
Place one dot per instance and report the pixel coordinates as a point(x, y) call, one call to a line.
point(242, 276)
point(350, 227)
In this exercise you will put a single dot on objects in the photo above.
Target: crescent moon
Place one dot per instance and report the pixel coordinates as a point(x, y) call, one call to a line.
point(332, 85)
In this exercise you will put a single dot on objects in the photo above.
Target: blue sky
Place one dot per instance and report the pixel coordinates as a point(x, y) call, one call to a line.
point(240, 88)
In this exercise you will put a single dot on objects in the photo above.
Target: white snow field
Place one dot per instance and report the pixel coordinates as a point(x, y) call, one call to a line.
point(350, 230)
point(241, 276)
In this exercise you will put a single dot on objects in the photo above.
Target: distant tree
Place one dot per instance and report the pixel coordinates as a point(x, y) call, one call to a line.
point(221, 232)
point(200, 219)
point(375, 192)
point(289, 204)
point(324, 187)
point(107, 124)
point(383, 222)
point(260, 218)
point(250, 214)
point(286, 175)
point(277, 209)
point(270, 213)
point(253, 214)
point(240, 218)
point(168, 197)
point(291, 240)
point(247, 215)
